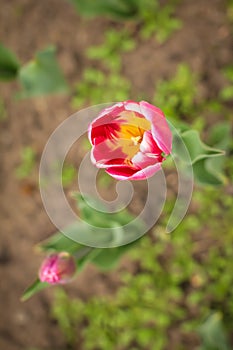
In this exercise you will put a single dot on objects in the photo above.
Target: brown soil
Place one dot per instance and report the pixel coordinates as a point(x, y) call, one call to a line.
point(204, 42)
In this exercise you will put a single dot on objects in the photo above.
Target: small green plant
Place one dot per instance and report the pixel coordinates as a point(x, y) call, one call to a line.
point(158, 19)
point(176, 97)
point(2, 110)
point(226, 93)
point(67, 314)
point(117, 9)
point(99, 87)
point(105, 84)
point(109, 53)
point(69, 173)
point(154, 18)
point(230, 10)
point(28, 162)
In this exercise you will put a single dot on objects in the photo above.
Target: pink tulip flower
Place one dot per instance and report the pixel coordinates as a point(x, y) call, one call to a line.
point(57, 268)
point(130, 140)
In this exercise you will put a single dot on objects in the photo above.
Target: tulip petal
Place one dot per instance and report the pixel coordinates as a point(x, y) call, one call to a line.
point(121, 173)
point(104, 123)
point(142, 160)
point(149, 145)
point(57, 268)
point(112, 111)
point(160, 129)
point(127, 173)
point(103, 132)
point(146, 173)
point(132, 106)
point(106, 152)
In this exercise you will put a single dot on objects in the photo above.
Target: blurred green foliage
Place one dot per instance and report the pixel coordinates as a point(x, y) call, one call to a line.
point(176, 96)
point(118, 9)
point(229, 10)
point(9, 64)
point(107, 82)
point(69, 173)
point(213, 334)
point(158, 19)
point(227, 92)
point(3, 113)
point(178, 99)
point(40, 76)
point(153, 17)
point(104, 180)
point(27, 164)
point(109, 53)
point(187, 272)
point(99, 87)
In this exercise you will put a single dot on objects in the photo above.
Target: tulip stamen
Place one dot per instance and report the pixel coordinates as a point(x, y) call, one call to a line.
point(136, 140)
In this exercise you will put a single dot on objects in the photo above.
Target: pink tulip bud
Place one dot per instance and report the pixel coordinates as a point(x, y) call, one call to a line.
point(57, 268)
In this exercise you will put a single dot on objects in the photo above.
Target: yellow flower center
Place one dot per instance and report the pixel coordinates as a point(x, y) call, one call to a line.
point(131, 133)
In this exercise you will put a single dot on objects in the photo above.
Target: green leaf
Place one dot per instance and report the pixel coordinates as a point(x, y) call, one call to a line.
point(9, 64)
point(95, 213)
point(59, 242)
point(197, 149)
point(36, 287)
point(104, 228)
point(91, 232)
point(108, 258)
point(206, 161)
point(42, 75)
point(207, 173)
point(115, 8)
point(220, 135)
point(213, 334)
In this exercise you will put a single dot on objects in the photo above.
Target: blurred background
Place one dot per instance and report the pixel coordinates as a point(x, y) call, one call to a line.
point(170, 291)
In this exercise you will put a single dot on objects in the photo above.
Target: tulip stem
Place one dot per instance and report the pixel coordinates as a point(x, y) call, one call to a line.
point(83, 252)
